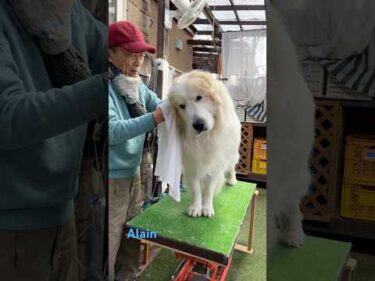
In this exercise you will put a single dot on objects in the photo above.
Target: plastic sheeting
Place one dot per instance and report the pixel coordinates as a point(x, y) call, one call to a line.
point(244, 67)
point(334, 29)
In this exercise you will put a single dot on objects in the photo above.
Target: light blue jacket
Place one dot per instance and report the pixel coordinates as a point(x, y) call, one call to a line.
point(126, 135)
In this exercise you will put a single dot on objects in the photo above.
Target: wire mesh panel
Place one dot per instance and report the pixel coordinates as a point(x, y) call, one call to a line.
point(337, 90)
point(314, 77)
point(321, 202)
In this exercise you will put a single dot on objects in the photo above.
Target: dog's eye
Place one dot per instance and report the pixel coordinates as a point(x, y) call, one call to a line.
point(198, 98)
point(182, 106)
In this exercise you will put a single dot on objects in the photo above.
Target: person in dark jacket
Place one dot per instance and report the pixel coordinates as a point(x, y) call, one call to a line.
point(52, 56)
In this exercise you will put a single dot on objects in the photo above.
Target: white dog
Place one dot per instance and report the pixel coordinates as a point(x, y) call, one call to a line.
point(211, 134)
point(290, 133)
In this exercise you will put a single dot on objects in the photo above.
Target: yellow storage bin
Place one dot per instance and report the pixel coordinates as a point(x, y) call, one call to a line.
point(358, 201)
point(360, 159)
point(260, 149)
point(259, 166)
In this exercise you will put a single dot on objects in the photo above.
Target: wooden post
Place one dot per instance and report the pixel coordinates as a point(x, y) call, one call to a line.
point(146, 251)
point(350, 266)
point(161, 52)
point(249, 247)
point(252, 221)
point(162, 41)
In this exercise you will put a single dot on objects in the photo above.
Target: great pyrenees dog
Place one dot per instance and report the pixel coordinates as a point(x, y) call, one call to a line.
point(210, 132)
point(290, 133)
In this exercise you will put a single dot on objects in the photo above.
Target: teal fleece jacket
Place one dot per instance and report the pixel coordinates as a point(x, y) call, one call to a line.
point(126, 135)
point(42, 129)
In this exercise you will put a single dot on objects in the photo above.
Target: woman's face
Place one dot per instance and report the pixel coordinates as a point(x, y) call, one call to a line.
point(129, 63)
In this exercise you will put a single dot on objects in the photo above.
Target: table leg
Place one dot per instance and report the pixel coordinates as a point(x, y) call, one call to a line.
point(249, 248)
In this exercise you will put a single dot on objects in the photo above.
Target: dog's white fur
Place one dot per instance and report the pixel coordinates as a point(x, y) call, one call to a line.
point(290, 137)
point(210, 155)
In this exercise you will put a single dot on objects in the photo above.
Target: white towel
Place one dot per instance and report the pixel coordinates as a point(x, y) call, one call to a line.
point(168, 162)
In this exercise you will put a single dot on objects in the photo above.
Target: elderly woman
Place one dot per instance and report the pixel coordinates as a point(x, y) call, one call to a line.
point(132, 112)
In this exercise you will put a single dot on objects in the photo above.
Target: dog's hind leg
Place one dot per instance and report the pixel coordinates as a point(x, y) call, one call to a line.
point(195, 209)
point(211, 185)
point(230, 177)
point(230, 171)
point(290, 227)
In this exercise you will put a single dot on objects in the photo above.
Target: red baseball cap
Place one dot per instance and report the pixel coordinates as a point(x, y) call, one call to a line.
point(127, 35)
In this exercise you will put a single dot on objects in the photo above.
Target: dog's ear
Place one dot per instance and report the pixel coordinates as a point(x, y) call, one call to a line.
point(215, 94)
point(208, 86)
point(176, 115)
point(181, 126)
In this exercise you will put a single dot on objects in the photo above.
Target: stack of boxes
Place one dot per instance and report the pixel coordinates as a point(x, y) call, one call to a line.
point(259, 161)
point(358, 192)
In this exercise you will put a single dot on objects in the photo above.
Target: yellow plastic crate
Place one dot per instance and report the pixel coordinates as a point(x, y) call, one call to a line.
point(259, 166)
point(358, 201)
point(360, 159)
point(260, 149)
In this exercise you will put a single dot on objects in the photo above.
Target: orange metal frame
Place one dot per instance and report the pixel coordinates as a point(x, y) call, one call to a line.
point(218, 272)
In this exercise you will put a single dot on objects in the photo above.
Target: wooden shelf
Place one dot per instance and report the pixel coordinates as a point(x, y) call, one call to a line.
point(252, 177)
point(250, 131)
point(261, 125)
point(352, 118)
point(356, 228)
point(370, 102)
point(357, 103)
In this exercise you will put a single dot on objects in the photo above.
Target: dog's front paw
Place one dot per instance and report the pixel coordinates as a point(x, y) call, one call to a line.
point(294, 237)
point(208, 211)
point(194, 211)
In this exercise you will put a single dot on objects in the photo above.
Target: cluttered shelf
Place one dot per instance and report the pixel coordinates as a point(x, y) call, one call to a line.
point(341, 200)
point(252, 165)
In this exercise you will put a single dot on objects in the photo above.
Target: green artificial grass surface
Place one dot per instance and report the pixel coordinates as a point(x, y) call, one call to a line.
point(244, 266)
point(218, 234)
point(318, 259)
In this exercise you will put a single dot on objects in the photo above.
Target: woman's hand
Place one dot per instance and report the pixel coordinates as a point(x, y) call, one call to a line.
point(158, 116)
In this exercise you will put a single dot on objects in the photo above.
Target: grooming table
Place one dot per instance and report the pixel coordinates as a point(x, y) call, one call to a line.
point(317, 259)
point(201, 239)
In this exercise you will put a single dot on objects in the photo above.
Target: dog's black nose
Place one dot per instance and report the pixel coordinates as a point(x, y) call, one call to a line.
point(199, 125)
